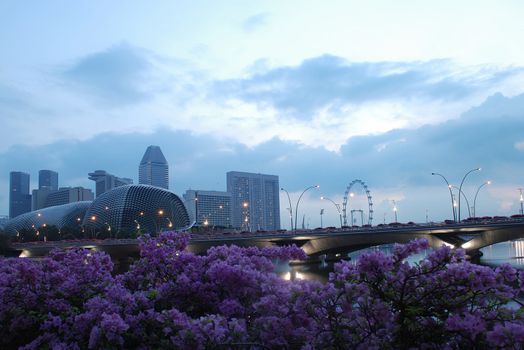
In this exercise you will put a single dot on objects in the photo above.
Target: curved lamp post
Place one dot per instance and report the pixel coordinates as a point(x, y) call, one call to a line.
point(395, 209)
point(521, 202)
point(336, 206)
point(450, 195)
point(460, 188)
point(290, 208)
point(461, 194)
point(475, 199)
point(299, 198)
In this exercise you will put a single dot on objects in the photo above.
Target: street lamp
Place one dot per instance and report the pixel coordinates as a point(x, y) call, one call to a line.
point(299, 198)
point(521, 201)
point(245, 224)
point(475, 199)
point(450, 195)
point(460, 188)
point(290, 208)
point(395, 209)
point(461, 194)
point(336, 206)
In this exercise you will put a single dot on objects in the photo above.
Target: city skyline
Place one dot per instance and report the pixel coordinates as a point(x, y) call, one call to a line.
point(360, 94)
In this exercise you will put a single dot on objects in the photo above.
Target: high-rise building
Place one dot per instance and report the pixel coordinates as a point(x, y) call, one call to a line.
point(47, 183)
point(39, 198)
point(255, 201)
point(19, 195)
point(105, 181)
point(66, 195)
point(153, 169)
point(48, 180)
point(209, 208)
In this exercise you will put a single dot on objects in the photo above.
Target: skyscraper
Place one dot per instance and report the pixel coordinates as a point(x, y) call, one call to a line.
point(19, 197)
point(255, 201)
point(47, 183)
point(105, 181)
point(153, 169)
point(48, 180)
point(209, 208)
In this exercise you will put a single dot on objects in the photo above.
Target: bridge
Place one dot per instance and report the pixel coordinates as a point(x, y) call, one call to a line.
point(330, 242)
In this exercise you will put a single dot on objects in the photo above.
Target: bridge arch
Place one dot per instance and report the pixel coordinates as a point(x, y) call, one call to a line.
point(493, 236)
point(346, 200)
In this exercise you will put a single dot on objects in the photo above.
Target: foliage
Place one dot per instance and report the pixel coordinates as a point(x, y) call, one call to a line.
point(231, 298)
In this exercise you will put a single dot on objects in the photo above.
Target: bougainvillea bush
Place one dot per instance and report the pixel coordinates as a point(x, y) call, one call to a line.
point(231, 298)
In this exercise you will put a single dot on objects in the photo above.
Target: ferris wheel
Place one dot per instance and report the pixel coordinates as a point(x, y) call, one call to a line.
point(348, 193)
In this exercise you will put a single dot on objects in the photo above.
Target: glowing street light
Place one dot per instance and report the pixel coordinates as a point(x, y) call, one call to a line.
point(395, 209)
point(450, 195)
point(460, 187)
point(299, 198)
point(461, 193)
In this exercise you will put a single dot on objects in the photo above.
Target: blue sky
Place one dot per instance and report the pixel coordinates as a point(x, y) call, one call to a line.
point(325, 93)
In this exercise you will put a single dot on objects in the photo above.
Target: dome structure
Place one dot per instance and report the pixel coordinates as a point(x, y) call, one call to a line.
point(60, 216)
point(133, 208)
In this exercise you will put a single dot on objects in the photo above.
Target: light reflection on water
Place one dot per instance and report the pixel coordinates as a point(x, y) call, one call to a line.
point(507, 252)
point(511, 252)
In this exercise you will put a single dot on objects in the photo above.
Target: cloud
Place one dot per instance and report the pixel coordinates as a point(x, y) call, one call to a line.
point(254, 22)
point(333, 83)
point(395, 165)
point(118, 75)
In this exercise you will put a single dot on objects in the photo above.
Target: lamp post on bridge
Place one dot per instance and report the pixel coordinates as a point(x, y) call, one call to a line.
point(290, 208)
point(521, 202)
point(395, 210)
point(464, 196)
point(460, 188)
point(336, 206)
point(476, 194)
point(450, 195)
point(299, 198)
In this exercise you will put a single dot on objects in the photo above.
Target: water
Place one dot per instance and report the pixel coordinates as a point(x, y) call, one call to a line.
point(511, 252)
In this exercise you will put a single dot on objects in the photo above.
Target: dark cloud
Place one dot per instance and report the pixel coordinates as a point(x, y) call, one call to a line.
point(117, 75)
point(333, 81)
point(254, 22)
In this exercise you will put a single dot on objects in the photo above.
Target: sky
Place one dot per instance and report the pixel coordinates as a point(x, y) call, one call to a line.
point(315, 92)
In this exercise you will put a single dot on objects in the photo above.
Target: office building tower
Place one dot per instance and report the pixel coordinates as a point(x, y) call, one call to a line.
point(66, 195)
point(255, 201)
point(209, 208)
point(48, 180)
point(47, 183)
point(105, 181)
point(19, 195)
point(153, 169)
point(39, 198)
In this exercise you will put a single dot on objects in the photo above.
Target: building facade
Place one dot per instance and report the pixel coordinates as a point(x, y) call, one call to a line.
point(67, 195)
point(47, 183)
point(153, 169)
point(209, 208)
point(255, 202)
point(48, 180)
point(137, 208)
point(19, 195)
point(105, 181)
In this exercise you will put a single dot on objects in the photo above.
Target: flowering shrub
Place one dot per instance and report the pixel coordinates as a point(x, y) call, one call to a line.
point(231, 298)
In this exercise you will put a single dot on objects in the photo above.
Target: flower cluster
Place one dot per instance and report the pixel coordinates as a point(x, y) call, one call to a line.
point(231, 298)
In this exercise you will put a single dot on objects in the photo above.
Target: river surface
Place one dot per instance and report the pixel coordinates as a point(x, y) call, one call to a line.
point(511, 252)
